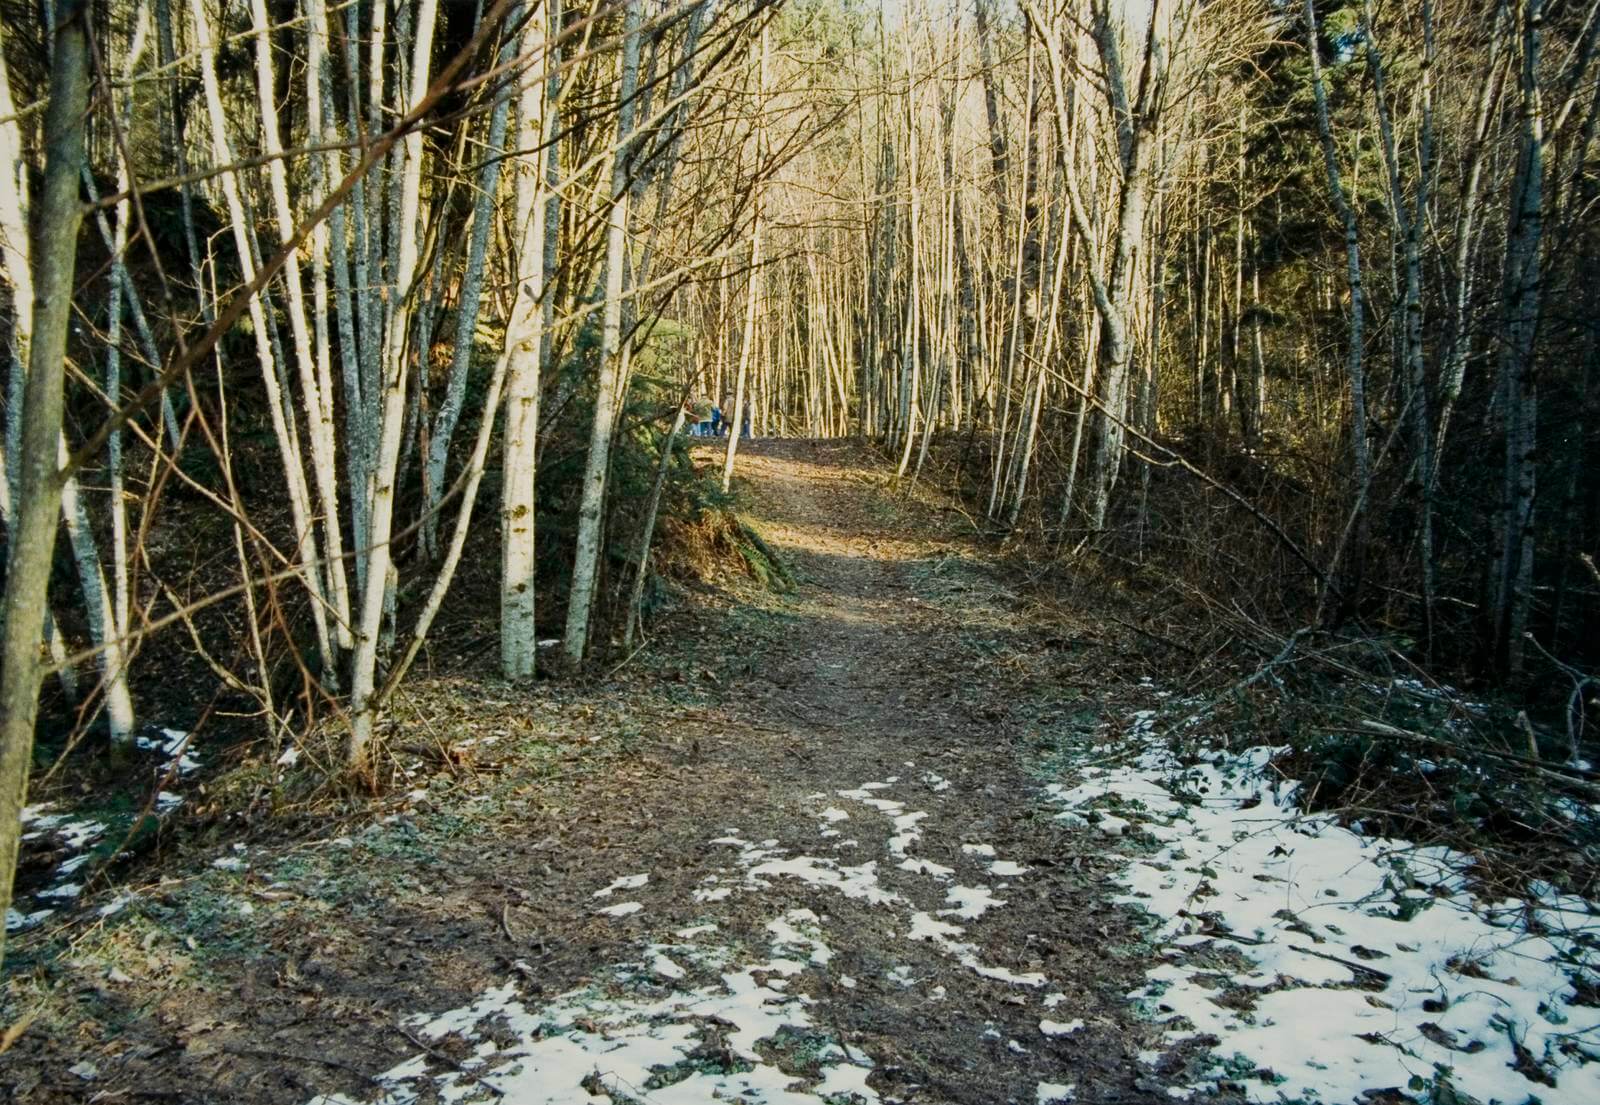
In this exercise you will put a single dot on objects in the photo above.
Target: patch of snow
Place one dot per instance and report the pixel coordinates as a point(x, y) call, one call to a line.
point(982, 851)
point(663, 966)
point(970, 902)
point(626, 882)
point(1060, 1028)
point(713, 895)
point(926, 927)
point(919, 866)
point(587, 1045)
point(289, 757)
point(695, 930)
point(1456, 989)
point(799, 928)
point(863, 790)
point(853, 882)
point(943, 935)
point(65, 890)
point(1004, 869)
point(1054, 1093)
point(22, 922)
point(77, 834)
point(116, 905)
point(621, 909)
point(173, 744)
point(834, 813)
point(906, 832)
point(1002, 974)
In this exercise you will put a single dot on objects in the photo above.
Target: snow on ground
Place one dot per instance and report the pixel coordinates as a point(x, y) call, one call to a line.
point(1326, 963)
point(173, 744)
point(686, 1024)
point(621, 909)
point(1060, 1028)
point(684, 1048)
point(45, 827)
point(626, 882)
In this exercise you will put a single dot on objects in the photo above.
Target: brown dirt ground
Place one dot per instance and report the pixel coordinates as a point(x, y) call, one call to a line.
point(904, 641)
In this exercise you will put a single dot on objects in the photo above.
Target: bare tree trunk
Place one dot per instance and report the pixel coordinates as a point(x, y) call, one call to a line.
point(1355, 366)
point(277, 403)
point(57, 219)
point(483, 209)
point(740, 413)
point(1458, 339)
point(15, 254)
point(103, 610)
point(386, 459)
point(1513, 578)
point(648, 528)
point(1407, 219)
point(525, 341)
point(318, 405)
point(1014, 335)
point(591, 511)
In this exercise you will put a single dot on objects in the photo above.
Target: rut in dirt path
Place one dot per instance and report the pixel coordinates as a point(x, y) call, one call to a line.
point(886, 915)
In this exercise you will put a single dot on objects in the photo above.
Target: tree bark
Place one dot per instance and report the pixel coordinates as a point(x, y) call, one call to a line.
point(379, 582)
point(591, 509)
point(524, 343)
point(57, 219)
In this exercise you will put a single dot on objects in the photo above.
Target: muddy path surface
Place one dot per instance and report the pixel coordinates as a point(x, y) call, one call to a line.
point(794, 851)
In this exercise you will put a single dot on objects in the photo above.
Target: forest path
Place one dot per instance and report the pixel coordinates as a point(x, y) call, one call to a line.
point(855, 895)
point(795, 850)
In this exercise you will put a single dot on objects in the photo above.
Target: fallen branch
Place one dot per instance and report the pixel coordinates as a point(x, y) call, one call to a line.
point(453, 1064)
point(1580, 778)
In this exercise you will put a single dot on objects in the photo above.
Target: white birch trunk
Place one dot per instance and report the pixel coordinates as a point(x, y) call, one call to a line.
point(379, 581)
point(522, 355)
point(591, 509)
point(747, 343)
point(293, 465)
point(317, 402)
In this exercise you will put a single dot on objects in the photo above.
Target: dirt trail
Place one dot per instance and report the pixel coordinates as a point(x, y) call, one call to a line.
point(887, 675)
point(794, 852)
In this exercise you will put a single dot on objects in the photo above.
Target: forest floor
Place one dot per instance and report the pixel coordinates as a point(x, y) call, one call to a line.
point(805, 846)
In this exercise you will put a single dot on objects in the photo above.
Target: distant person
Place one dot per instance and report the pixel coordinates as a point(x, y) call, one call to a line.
point(716, 421)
